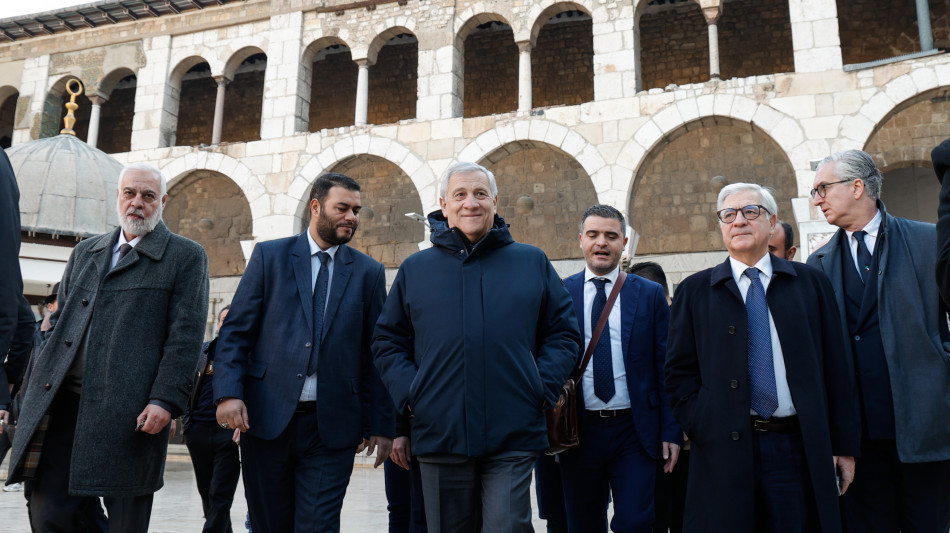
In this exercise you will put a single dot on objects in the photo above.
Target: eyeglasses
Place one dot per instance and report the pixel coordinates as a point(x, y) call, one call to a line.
point(749, 212)
point(822, 189)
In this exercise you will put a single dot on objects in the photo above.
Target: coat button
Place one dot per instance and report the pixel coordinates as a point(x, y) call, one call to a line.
point(733, 384)
point(307, 345)
point(735, 435)
point(48, 386)
point(732, 330)
point(857, 337)
point(299, 376)
point(85, 301)
point(68, 343)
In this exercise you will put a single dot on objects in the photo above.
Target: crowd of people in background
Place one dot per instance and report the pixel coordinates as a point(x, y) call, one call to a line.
point(765, 395)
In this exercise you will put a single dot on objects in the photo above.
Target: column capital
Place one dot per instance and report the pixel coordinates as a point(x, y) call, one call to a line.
point(712, 14)
point(97, 98)
point(524, 47)
point(222, 80)
point(363, 62)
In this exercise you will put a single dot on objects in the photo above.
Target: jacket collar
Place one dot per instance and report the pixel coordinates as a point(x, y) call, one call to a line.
point(453, 241)
point(723, 271)
point(152, 245)
point(840, 237)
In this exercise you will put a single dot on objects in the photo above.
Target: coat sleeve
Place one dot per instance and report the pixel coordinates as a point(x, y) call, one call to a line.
point(11, 283)
point(379, 415)
point(393, 341)
point(558, 338)
point(839, 382)
point(240, 331)
point(682, 359)
point(941, 161)
point(670, 430)
point(187, 315)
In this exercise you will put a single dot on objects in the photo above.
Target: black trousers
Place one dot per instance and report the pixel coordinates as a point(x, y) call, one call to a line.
point(216, 460)
point(53, 509)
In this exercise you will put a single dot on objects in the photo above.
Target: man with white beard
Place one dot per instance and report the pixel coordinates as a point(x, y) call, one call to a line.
point(116, 368)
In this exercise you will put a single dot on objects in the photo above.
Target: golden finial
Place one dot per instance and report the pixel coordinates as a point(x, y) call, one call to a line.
point(71, 105)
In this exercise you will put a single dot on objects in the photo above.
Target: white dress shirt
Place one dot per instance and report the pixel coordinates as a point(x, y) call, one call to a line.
point(872, 228)
point(309, 392)
point(621, 399)
point(120, 242)
point(785, 405)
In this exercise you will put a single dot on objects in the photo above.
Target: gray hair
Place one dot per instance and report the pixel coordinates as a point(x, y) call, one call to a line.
point(145, 167)
point(464, 167)
point(765, 194)
point(857, 165)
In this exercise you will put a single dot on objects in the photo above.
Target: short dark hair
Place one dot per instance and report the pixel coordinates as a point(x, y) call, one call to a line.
point(223, 309)
point(327, 181)
point(651, 271)
point(789, 235)
point(604, 211)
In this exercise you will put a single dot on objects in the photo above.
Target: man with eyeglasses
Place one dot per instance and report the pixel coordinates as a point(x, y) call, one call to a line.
point(882, 270)
point(756, 375)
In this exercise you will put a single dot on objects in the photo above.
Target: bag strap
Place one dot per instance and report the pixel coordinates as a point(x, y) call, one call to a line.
point(602, 321)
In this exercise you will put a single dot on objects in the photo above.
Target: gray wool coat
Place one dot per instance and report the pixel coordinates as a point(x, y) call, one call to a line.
point(145, 323)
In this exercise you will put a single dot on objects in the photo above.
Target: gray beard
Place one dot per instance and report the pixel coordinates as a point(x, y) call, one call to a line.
point(139, 227)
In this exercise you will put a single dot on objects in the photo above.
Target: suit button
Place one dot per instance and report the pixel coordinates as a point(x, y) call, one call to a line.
point(48, 386)
point(85, 301)
point(732, 330)
point(299, 376)
point(735, 435)
point(733, 384)
point(68, 343)
point(857, 337)
point(307, 345)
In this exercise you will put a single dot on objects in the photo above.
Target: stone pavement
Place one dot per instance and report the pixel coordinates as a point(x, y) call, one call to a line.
point(177, 507)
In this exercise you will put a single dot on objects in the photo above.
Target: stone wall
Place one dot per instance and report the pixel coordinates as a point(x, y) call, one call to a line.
point(911, 133)
point(392, 84)
point(542, 193)
point(879, 29)
point(674, 46)
point(7, 115)
point(674, 201)
point(196, 110)
point(115, 121)
point(208, 208)
point(491, 72)
point(333, 92)
point(243, 99)
point(562, 67)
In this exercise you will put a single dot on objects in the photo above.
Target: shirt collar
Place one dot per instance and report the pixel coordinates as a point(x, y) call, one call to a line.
point(314, 247)
point(871, 228)
point(738, 267)
point(612, 276)
point(122, 241)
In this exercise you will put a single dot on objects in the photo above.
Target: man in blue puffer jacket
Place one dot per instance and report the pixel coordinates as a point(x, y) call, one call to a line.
point(474, 343)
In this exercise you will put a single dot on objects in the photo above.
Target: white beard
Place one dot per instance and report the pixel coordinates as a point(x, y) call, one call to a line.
point(139, 227)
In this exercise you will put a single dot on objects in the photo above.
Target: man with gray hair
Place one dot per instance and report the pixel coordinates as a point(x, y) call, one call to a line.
point(882, 270)
point(475, 341)
point(757, 376)
point(116, 368)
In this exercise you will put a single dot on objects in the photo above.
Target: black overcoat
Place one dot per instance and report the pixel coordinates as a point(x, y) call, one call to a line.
point(707, 382)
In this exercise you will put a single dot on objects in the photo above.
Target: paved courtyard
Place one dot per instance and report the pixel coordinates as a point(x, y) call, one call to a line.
point(177, 507)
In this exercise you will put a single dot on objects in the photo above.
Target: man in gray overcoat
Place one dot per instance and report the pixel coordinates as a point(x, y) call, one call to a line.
point(116, 368)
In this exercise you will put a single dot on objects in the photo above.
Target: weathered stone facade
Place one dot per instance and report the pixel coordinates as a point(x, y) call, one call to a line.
point(570, 103)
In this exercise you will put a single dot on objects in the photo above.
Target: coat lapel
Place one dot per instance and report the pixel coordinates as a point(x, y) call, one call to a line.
point(722, 273)
point(302, 273)
point(575, 287)
point(152, 245)
point(102, 253)
point(629, 300)
point(341, 277)
point(829, 257)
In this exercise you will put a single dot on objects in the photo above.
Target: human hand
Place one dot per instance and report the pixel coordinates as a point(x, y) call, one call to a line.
point(237, 436)
point(401, 454)
point(671, 453)
point(4, 419)
point(385, 445)
point(152, 419)
point(232, 414)
point(845, 467)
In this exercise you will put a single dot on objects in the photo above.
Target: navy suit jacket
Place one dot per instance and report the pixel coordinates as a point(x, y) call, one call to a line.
point(265, 343)
point(644, 325)
point(11, 284)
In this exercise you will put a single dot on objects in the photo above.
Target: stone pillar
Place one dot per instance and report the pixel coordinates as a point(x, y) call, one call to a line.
point(222, 82)
point(923, 26)
point(155, 121)
point(92, 138)
point(34, 79)
point(524, 76)
point(287, 97)
point(362, 92)
point(616, 53)
point(712, 15)
point(816, 42)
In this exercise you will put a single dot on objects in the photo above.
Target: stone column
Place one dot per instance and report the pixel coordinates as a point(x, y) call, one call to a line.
point(712, 15)
point(524, 76)
point(92, 138)
point(923, 26)
point(815, 38)
point(222, 82)
point(362, 92)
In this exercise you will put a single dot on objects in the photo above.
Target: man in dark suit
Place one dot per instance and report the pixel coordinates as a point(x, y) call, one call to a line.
point(294, 369)
point(625, 420)
point(941, 160)
point(116, 368)
point(11, 283)
point(757, 376)
point(882, 270)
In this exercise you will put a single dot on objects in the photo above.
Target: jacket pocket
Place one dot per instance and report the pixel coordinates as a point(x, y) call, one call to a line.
point(256, 370)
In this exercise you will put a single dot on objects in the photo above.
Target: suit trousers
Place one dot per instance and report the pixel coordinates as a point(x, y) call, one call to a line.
point(609, 461)
point(52, 508)
point(404, 495)
point(459, 489)
point(888, 496)
point(784, 498)
point(294, 483)
point(550, 493)
point(216, 460)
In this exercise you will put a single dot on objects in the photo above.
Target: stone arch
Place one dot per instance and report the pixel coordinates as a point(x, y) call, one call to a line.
point(542, 193)
point(171, 106)
point(209, 208)
point(107, 83)
point(383, 34)
point(910, 190)
point(393, 76)
point(562, 56)
point(421, 174)
point(9, 96)
point(330, 101)
point(385, 233)
point(673, 200)
point(542, 12)
point(487, 63)
point(857, 129)
point(250, 184)
point(244, 101)
point(117, 95)
point(54, 109)
point(234, 61)
point(469, 20)
point(550, 133)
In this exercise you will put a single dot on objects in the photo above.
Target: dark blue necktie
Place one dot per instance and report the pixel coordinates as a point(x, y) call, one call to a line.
point(761, 368)
point(864, 256)
point(603, 362)
point(319, 306)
